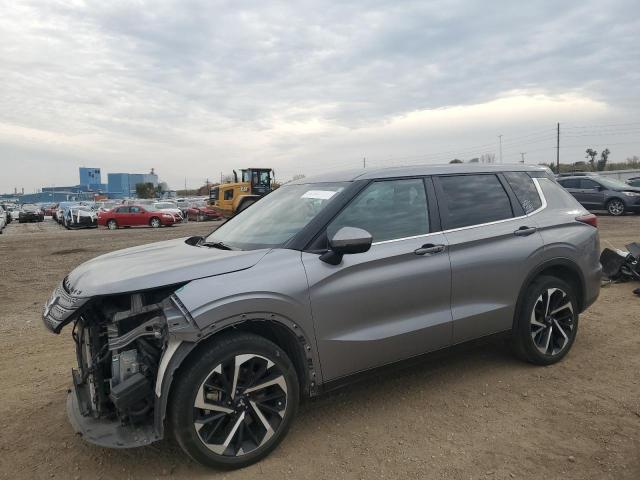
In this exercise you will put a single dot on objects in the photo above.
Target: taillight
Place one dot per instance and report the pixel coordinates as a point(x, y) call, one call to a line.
point(589, 219)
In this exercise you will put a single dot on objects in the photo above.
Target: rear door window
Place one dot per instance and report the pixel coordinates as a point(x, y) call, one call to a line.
point(525, 190)
point(570, 183)
point(467, 200)
point(388, 210)
point(587, 184)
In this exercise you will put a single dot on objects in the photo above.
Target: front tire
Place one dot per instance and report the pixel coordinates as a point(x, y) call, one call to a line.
point(234, 403)
point(615, 207)
point(155, 222)
point(112, 225)
point(547, 323)
point(246, 204)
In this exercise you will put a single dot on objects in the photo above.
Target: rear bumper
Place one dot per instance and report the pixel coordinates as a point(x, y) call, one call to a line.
point(592, 282)
point(105, 432)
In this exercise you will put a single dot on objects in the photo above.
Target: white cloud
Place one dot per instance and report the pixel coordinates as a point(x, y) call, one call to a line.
point(193, 88)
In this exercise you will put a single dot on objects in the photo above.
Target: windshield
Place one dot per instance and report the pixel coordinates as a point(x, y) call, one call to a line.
point(277, 217)
point(164, 205)
point(613, 184)
point(30, 208)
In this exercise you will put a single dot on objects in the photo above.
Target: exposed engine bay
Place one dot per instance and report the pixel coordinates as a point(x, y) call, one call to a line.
point(119, 342)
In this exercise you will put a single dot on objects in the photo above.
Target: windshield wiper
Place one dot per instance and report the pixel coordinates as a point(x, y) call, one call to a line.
point(220, 245)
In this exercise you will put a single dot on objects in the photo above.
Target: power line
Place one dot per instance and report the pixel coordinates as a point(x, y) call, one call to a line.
point(601, 125)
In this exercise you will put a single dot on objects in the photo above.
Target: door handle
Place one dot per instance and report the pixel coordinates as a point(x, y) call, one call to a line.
point(429, 249)
point(525, 231)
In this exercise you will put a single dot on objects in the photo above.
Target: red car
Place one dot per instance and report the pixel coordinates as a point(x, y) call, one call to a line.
point(50, 210)
point(200, 212)
point(134, 216)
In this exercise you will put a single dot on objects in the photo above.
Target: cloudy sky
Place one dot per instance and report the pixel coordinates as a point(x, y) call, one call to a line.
point(196, 88)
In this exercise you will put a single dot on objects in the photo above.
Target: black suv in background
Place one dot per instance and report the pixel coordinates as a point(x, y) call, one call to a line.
point(30, 213)
point(598, 193)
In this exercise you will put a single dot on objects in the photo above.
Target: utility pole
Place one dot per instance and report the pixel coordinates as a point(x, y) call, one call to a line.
point(364, 162)
point(500, 138)
point(522, 154)
point(558, 150)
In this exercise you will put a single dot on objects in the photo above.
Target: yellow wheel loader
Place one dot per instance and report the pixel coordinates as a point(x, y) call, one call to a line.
point(231, 198)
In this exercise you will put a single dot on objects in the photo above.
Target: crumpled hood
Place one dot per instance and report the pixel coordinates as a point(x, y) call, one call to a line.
point(156, 265)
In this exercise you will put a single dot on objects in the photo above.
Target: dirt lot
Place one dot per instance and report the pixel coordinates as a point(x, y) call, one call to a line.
point(475, 414)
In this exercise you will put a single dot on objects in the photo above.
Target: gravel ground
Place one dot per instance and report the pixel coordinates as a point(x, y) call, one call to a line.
point(475, 414)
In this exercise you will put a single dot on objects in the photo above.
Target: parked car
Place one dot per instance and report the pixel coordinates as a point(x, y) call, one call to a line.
point(79, 216)
point(3, 218)
point(134, 216)
point(14, 212)
point(6, 208)
point(217, 338)
point(201, 211)
point(48, 209)
point(168, 207)
point(600, 193)
point(30, 213)
point(59, 212)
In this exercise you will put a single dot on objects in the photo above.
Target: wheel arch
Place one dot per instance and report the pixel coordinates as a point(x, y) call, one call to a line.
point(276, 328)
point(563, 268)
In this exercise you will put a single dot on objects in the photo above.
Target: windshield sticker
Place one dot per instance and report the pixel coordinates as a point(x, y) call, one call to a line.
point(319, 194)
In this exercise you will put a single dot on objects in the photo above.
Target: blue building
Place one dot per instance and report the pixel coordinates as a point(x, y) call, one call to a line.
point(90, 178)
point(124, 184)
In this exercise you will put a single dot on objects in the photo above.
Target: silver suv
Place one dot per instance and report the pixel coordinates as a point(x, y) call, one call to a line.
point(216, 339)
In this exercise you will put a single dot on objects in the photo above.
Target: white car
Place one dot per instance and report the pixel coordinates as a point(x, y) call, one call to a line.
point(3, 218)
point(14, 212)
point(171, 208)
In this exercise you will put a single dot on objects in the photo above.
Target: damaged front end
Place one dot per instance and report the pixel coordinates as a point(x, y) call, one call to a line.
point(120, 344)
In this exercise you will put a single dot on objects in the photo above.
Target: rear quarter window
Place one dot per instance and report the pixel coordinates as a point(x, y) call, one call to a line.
point(472, 200)
point(525, 190)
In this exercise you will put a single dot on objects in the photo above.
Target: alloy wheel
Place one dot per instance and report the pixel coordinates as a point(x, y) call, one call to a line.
point(616, 207)
point(112, 225)
point(240, 405)
point(155, 223)
point(552, 321)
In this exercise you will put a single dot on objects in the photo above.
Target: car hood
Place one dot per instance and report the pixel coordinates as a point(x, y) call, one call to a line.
point(155, 265)
point(629, 189)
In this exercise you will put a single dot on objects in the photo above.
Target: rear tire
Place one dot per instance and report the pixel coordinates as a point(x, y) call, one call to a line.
point(219, 425)
point(547, 322)
point(615, 207)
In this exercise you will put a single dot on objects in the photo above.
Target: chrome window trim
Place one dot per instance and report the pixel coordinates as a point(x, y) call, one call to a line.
point(538, 210)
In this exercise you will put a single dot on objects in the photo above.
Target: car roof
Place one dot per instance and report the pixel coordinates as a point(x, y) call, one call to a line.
point(416, 170)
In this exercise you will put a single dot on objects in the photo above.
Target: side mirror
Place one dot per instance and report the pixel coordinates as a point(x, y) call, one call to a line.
point(347, 240)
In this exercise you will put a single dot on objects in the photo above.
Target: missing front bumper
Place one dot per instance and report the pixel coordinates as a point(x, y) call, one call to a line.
point(107, 433)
